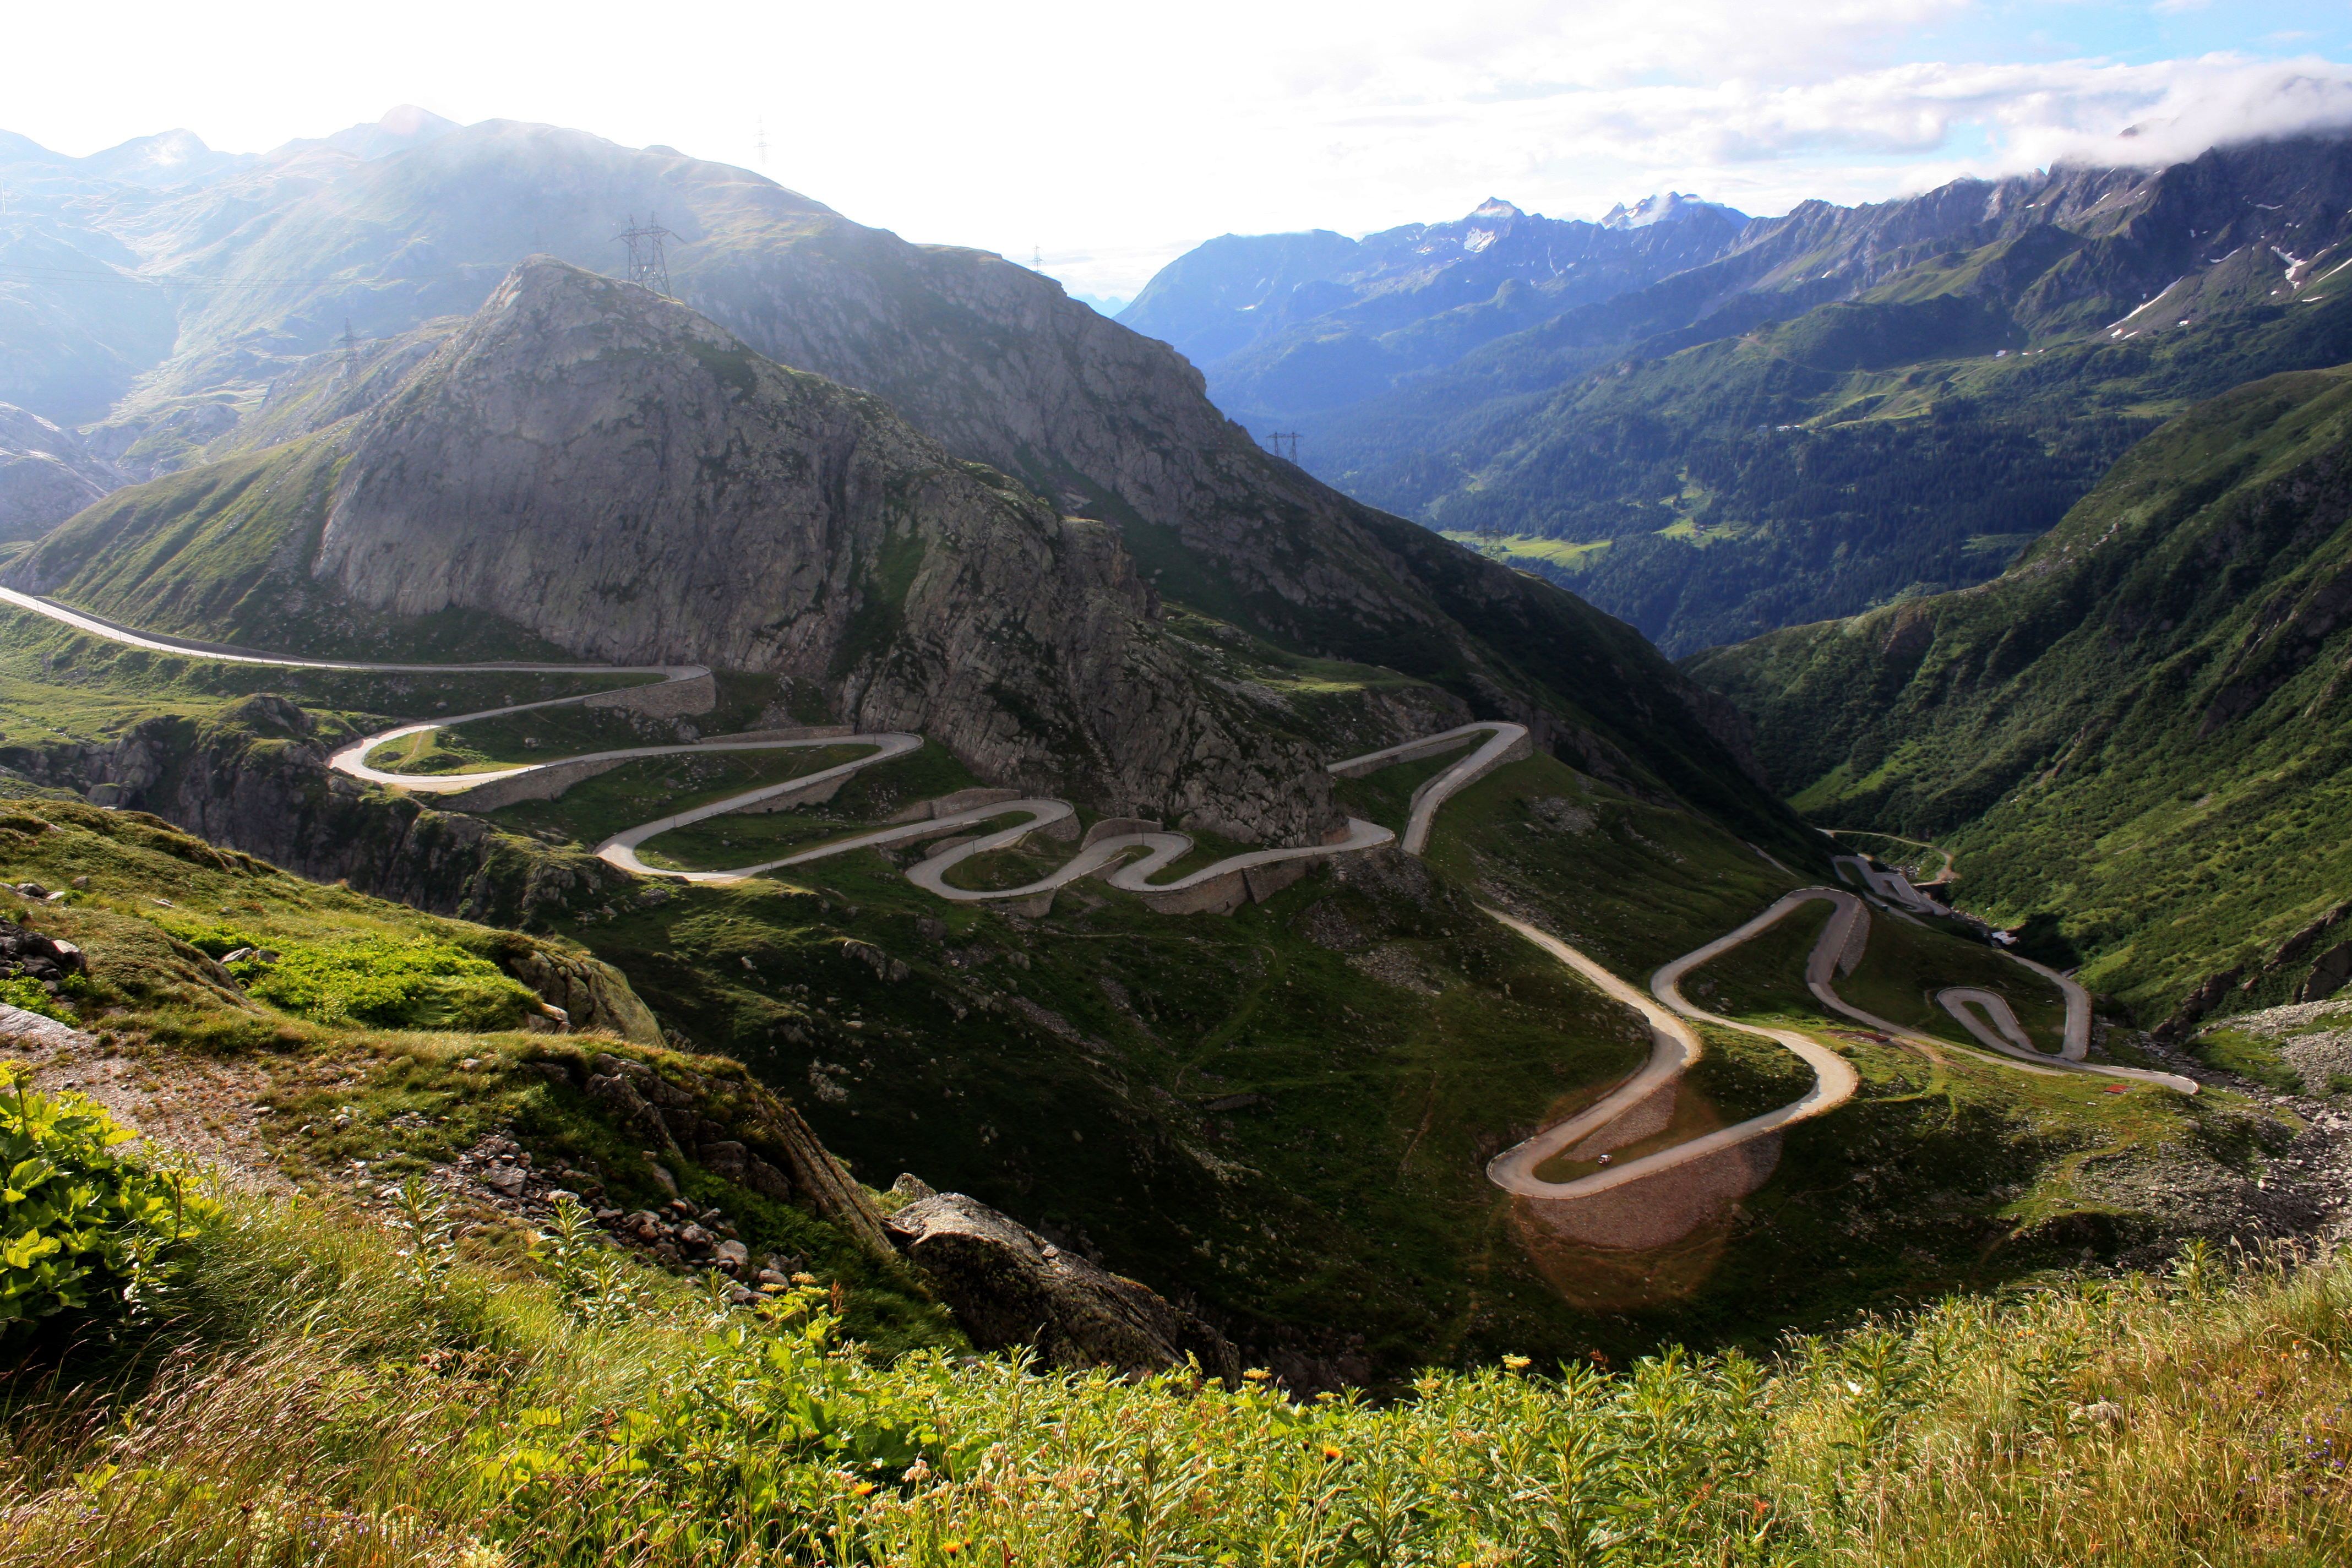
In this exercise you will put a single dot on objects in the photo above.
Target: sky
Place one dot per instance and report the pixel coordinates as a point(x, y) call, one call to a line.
point(1110, 138)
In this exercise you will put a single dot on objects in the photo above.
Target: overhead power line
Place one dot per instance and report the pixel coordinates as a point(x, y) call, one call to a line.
point(38, 272)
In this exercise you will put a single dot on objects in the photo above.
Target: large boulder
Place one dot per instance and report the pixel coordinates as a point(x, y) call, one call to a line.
point(1009, 1285)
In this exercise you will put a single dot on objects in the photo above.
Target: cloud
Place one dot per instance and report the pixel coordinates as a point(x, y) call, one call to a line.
point(1116, 135)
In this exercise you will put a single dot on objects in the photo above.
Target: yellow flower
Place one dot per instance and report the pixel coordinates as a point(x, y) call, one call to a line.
point(863, 1488)
point(1257, 1374)
point(953, 1548)
point(1516, 1363)
point(1329, 1452)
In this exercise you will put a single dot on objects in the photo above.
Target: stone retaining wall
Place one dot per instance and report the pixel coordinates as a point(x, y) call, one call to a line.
point(540, 784)
point(948, 805)
point(815, 793)
point(1217, 895)
point(1428, 748)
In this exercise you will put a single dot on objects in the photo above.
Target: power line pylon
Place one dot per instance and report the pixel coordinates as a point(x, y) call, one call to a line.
point(349, 343)
point(759, 142)
point(646, 264)
point(1278, 438)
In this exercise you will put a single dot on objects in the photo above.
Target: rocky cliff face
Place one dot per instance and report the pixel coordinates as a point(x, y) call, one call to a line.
point(624, 478)
point(46, 475)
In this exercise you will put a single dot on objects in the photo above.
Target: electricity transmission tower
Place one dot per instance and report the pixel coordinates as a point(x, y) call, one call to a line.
point(1278, 438)
point(646, 264)
point(349, 343)
point(759, 142)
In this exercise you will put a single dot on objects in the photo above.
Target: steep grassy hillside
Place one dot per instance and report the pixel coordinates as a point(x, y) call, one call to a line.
point(373, 1044)
point(2138, 732)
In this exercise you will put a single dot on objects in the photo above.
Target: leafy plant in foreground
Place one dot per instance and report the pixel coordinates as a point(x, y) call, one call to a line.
point(81, 1226)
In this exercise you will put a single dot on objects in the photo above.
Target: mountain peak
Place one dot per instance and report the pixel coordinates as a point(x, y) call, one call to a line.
point(1671, 206)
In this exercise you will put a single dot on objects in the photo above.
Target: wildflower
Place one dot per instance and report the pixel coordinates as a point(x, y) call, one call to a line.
point(1517, 1362)
point(1257, 1374)
point(863, 1488)
point(953, 1548)
point(804, 1279)
point(1329, 1453)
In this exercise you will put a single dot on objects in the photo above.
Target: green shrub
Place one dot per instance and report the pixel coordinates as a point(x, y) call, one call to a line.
point(23, 991)
point(82, 1229)
point(416, 985)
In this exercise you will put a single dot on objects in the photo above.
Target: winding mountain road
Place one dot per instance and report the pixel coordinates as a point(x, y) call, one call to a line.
point(1153, 849)
point(1676, 1047)
point(1127, 854)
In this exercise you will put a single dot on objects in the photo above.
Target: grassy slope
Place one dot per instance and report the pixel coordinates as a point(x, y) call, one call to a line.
point(60, 687)
point(157, 901)
point(1232, 1106)
point(340, 1386)
point(220, 552)
point(2138, 730)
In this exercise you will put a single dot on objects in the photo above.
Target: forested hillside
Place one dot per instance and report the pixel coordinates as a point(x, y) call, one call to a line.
point(2139, 732)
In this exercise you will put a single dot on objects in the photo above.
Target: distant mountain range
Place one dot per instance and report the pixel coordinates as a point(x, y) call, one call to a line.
point(1290, 324)
point(1714, 427)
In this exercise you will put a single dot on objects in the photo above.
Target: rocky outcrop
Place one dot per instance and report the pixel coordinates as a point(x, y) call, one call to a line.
point(736, 1129)
point(46, 960)
point(990, 360)
point(253, 778)
point(590, 993)
point(46, 475)
point(1009, 1285)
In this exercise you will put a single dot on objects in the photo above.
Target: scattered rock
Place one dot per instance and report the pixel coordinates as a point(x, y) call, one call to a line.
point(873, 958)
point(1326, 925)
point(41, 959)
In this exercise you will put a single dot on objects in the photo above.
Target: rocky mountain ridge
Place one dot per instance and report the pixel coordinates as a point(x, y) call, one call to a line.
point(1285, 324)
point(248, 284)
